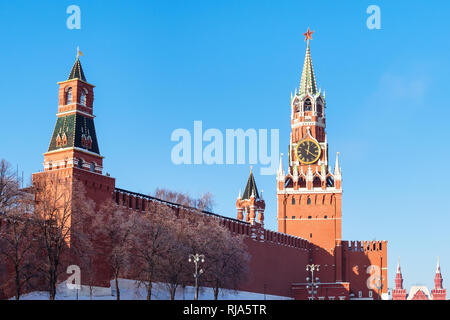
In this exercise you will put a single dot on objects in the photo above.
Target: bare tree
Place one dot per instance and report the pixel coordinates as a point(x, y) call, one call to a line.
point(205, 202)
point(60, 211)
point(152, 238)
point(113, 226)
point(226, 257)
point(9, 187)
point(198, 239)
point(228, 261)
point(175, 267)
point(174, 196)
point(18, 245)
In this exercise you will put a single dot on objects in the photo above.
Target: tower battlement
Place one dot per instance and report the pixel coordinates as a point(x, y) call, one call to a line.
point(363, 246)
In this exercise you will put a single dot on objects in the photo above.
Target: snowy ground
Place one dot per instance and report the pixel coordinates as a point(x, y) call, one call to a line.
point(130, 290)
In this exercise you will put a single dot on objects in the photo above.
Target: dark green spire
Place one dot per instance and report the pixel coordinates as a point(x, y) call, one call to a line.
point(250, 188)
point(77, 71)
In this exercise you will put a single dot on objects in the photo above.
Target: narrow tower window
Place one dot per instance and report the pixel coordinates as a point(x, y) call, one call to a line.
point(83, 97)
point(69, 96)
point(317, 183)
point(293, 200)
point(308, 105)
point(308, 201)
point(92, 167)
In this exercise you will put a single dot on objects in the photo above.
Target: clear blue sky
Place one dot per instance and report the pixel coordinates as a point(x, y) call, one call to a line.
point(160, 65)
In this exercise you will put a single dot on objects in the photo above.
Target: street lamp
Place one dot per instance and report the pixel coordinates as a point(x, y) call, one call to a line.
point(312, 285)
point(197, 258)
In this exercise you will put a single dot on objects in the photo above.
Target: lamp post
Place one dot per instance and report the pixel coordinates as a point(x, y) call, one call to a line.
point(312, 285)
point(197, 258)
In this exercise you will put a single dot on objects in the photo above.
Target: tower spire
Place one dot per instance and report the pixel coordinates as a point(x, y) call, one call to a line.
point(438, 293)
point(398, 293)
point(438, 267)
point(280, 167)
point(337, 168)
point(77, 70)
point(308, 80)
point(250, 188)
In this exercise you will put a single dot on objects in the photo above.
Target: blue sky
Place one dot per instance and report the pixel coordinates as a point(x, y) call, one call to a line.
point(160, 65)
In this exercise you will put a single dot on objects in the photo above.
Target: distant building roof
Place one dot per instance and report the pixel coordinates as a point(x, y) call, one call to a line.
point(419, 293)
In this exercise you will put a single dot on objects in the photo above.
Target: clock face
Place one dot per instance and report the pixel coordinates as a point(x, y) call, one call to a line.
point(308, 151)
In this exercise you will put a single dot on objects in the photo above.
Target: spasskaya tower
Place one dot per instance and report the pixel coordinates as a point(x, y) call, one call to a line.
point(309, 193)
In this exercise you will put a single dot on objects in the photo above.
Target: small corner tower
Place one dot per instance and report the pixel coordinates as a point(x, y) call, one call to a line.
point(398, 293)
point(438, 293)
point(251, 203)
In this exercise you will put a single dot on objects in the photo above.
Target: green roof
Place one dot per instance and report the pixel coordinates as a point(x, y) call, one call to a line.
point(79, 132)
point(250, 188)
point(77, 71)
point(308, 81)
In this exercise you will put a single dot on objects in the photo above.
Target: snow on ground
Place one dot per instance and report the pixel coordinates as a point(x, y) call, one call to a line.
point(131, 290)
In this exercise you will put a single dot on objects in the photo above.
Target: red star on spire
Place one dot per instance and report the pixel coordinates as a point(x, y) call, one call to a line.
point(308, 34)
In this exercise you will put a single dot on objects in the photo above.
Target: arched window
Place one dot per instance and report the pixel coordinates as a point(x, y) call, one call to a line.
point(319, 110)
point(92, 167)
point(80, 163)
point(297, 105)
point(330, 182)
point(307, 105)
point(83, 97)
point(308, 202)
point(69, 96)
point(289, 183)
point(317, 182)
point(293, 200)
point(302, 183)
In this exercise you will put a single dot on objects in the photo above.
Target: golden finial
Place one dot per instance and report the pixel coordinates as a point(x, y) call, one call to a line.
point(79, 53)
